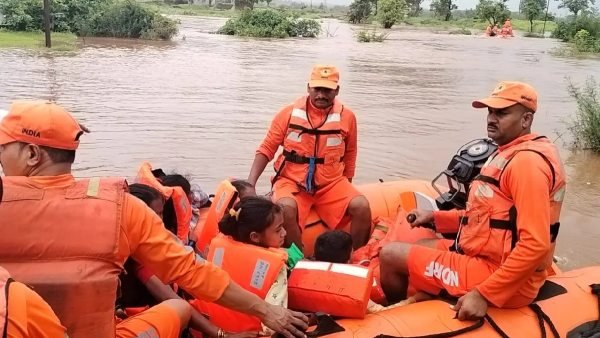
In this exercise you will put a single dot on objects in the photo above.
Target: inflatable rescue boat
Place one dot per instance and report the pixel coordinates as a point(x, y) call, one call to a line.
point(567, 305)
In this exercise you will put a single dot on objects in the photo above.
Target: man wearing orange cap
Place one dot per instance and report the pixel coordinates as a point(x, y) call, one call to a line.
point(69, 238)
point(507, 234)
point(319, 139)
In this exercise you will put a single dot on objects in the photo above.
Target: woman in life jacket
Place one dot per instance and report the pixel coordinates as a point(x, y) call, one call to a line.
point(258, 221)
point(141, 289)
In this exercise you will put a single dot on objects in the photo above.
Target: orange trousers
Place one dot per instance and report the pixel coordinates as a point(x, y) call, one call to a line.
point(160, 321)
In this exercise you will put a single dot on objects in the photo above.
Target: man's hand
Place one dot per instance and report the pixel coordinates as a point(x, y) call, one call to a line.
point(419, 218)
point(471, 306)
point(289, 323)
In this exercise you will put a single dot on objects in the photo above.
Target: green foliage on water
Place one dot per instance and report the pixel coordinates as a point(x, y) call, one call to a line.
point(585, 125)
point(367, 35)
point(270, 23)
point(385, 12)
point(36, 40)
point(586, 43)
point(582, 31)
point(110, 18)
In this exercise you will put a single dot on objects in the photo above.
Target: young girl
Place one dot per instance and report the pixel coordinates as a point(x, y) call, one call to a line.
point(258, 221)
point(255, 220)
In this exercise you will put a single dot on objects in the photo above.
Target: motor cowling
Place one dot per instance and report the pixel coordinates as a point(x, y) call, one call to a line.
point(461, 171)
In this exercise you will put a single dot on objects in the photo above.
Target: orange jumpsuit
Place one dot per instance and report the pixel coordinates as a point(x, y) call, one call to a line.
point(505, 281)
point(334, 193)
point(144, 238)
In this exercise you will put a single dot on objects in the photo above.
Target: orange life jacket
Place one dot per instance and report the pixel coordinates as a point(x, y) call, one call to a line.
point(253, 268)
point(225, 197)
point(183, 209)
point(5, 281)
point(312, 154)
point(489, 227)
point(63, 242)
point(336, 289)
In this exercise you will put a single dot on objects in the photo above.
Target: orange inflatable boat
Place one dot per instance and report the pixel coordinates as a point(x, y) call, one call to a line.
point(567, 306)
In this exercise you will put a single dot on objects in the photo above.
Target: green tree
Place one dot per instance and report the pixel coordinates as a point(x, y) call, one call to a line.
point(532, 9)
point(494, 11)
point(374, 5)
point(414, 7)
point(443, 8)
point(391, 11)
point(359, 11)
point(244, 4)
point(113, 18)
point(575, 6)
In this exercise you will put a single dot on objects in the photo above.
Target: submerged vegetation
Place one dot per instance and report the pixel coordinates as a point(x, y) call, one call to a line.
point(366, 35)
point(585, 125)
point(110, 18)
point(582, 31)
point(270, 23)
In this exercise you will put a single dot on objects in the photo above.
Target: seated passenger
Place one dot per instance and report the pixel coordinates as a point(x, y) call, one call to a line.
point(318, 135)
point(23, 313)
point(141, 289)
point(255, 231)
point(507, 234)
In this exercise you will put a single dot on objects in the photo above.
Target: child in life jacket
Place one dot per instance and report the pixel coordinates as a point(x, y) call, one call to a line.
point(141, 289)
point(258, 221)
point(336, 247)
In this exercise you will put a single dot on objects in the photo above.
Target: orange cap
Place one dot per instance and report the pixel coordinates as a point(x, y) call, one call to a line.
point(42, 123)
point(324, 76)
point(509, 93)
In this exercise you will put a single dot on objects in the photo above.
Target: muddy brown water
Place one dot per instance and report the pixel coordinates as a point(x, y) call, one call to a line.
point(201, 104)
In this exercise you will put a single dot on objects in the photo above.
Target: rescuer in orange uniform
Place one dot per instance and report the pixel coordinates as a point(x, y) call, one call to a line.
point(319, 139)
point(69, 238)
point(508, 230)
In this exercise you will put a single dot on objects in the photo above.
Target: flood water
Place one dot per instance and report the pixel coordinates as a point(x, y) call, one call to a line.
point(202, 103)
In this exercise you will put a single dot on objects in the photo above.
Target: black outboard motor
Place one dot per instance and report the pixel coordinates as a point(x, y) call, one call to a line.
point(461, 171)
